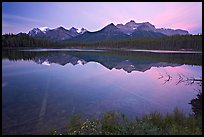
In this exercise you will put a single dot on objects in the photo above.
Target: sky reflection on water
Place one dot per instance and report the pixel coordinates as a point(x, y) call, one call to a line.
point(38, 97)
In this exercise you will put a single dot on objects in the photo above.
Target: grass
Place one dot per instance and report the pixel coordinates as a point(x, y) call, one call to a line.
point(112, 123)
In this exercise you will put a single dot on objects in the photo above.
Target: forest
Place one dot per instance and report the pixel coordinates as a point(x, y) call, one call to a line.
point(178, 42)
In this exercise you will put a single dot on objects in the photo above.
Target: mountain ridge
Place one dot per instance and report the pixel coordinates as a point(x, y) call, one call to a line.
point(110, 32)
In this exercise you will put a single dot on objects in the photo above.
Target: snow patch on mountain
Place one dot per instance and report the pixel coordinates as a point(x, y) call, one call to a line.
point(132, 26)
point(44, 29)
point(82, 31)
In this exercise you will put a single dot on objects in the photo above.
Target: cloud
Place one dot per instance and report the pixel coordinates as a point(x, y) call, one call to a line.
point(16, 24)
point(96, 15)
point(13, 27)
point(20, 18)
point(188, 16)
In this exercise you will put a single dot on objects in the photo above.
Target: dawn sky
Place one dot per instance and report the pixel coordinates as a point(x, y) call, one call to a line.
point(23, 16)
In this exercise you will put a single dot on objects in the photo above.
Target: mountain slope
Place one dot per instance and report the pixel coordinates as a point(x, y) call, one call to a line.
point(146, 34)
point(59, 34)
point(130, 30)
point(171, 32)
point(107, 33)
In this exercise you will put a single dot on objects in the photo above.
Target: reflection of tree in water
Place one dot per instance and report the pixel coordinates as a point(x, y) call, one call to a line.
point(181, 79)
point(196, 102)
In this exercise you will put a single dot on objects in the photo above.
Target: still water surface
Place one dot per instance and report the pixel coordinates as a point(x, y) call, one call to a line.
point(41, 89)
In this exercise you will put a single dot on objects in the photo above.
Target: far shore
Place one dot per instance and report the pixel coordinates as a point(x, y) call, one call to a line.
point(103, 49)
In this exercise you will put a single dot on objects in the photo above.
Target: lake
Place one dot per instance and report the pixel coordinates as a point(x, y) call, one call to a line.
point(42, 89)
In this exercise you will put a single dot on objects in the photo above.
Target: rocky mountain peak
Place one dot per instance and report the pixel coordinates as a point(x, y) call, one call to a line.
point(110, 27)
point(131, 23)
point(60, 28)
point(73, 29)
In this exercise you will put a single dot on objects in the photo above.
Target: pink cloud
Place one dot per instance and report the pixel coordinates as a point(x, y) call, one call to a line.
point(183, 25)
point(96, 15)
point(185, 16)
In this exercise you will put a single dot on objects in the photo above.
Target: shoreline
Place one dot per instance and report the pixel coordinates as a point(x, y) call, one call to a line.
point(102, 49)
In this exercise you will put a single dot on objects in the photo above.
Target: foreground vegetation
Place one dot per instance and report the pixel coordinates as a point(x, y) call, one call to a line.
point(112, 123)
point(185, 42)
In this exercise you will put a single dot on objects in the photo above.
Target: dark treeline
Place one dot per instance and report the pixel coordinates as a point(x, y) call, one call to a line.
point(23, 40)
point(191, 42)
point(187, 42)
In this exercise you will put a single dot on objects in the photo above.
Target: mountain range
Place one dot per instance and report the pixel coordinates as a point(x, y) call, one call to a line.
point(110, 32)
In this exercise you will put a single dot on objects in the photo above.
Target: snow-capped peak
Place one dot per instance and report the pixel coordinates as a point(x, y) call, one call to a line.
point(44, 29)
point(81, 31)
point(78, 30)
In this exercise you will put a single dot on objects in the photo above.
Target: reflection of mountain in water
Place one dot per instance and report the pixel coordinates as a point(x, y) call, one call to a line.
point(61, 59)
point(130, 66)
point(109, 61)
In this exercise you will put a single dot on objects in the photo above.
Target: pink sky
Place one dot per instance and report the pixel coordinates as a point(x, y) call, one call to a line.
point(23, 16)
